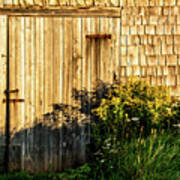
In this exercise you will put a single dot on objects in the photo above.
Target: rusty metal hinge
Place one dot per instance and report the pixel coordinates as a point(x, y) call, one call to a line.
point(11, 91)
point(99, 36)
point(13, 100)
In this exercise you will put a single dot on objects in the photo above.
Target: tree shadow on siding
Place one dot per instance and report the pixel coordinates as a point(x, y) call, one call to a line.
point(59, 139)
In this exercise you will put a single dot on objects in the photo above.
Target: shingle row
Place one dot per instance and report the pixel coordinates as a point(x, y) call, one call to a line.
point(164, 29)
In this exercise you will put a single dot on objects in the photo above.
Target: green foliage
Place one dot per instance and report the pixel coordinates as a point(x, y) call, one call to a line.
point(79, 173)
point(133, 109)
point(76, 174)
point(129, 136)
point(134, 136)
point(26, 176)
point(155, 157)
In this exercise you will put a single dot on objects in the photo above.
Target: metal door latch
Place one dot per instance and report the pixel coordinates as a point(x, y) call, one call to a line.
point(11, 91)
point(13, 100)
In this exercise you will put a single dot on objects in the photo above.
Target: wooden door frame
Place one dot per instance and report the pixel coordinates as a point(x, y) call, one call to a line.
point(65, 11)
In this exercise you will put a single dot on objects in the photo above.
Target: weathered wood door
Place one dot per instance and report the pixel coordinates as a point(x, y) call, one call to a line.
point(36, 76)
point(50, 58)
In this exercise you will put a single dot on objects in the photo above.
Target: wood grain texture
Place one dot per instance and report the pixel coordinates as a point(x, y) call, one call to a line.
point(48, 63)
point(50, 56)
point(95, 53)
point(105, 50)
point(83, 3)
point(86, 72)
point(12, 68)
point(21, 80)
point(61, 93)
point(56, 82)
point(3, 81)
point(3, 75)
point(68, 89)
point(28, 104)
point(77, 84)
point(67, 12)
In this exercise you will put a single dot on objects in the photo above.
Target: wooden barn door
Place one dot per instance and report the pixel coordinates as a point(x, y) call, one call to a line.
point(53, 66)
point(35, 82)
point(45, 66)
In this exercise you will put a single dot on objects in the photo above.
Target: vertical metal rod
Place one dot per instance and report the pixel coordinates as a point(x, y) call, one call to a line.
point(7, 125)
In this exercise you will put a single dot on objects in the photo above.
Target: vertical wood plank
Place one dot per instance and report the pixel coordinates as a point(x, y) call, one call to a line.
point(16, 82)
point(95, 54)
point(29, 87)
point(33, 92)
point(41, 91)
point(56, 86)
point(51, 95)
point(76, 66)
point(27, 84)
point(12, 67)
point(86, 70)
point(85, 54)
point(3, 75)
point(77, 80)
point(19, 66)
point(3, 66)
point(85, 84)
point(16, 75)
point(48, 64)
point(68, 83)
point(57, 89)
point(61, 59)
point(104, 54)
point(48, 85)
point(37, 73)
point(56, 61)
point(22, 89)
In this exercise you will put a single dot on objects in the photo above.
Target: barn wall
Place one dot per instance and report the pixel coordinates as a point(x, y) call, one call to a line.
point(55, 68)
point(149, 46)
point(84, 3)
point(3, 63)
point(46, 65)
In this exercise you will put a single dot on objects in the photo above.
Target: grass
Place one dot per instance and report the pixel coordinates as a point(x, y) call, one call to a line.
point(156, 157)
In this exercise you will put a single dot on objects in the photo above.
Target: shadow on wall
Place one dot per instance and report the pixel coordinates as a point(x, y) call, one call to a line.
point(59, 140)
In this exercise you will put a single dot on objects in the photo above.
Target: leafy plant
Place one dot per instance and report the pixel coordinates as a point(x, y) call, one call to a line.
point(76, 174)
point(128, 138)
point(133, 109)
point(155, 157)
point(135, 136)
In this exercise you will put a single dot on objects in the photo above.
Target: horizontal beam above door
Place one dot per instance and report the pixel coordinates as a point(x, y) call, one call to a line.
point(71, 12)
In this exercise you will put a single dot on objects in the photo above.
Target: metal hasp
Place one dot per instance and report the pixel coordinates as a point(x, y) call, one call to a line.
point(13, 100)
point(11, 91)
point(99, 36)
